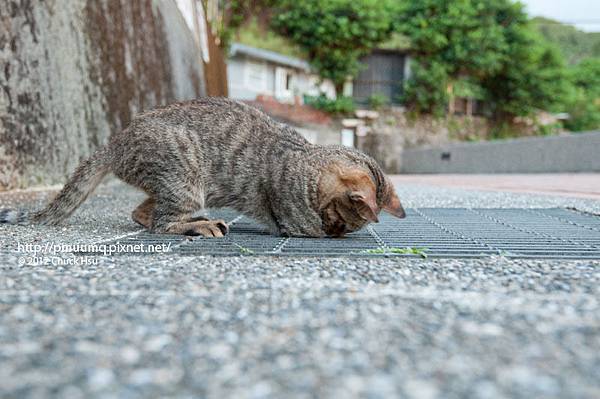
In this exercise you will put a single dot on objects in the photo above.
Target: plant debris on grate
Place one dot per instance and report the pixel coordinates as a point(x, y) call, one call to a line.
point(426, 232)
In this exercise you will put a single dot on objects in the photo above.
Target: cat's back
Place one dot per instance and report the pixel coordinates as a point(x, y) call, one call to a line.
point(216, 121)
point(202, 109)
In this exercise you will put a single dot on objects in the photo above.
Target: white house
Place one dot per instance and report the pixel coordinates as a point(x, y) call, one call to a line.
point(252, 72)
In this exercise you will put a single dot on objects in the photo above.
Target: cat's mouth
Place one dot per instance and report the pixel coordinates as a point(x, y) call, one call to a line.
point(335, 225)
point(337, 230)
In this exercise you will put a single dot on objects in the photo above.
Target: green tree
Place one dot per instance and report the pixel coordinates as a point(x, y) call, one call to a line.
point(235, 13)
point(489, 42)
point(450, 40)
point(463, 35)
point(334, 33)
point(586, 75)
point(534, 77)
point(583, 105)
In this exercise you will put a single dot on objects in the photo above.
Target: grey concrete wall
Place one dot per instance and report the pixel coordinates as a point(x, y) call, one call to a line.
point(73, 71)
point(569, 153)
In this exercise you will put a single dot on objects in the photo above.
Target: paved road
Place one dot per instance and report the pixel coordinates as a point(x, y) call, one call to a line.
point(580, 185)
point(131, 326)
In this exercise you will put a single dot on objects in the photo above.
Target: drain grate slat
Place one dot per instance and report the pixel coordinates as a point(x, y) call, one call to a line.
point(440, 232)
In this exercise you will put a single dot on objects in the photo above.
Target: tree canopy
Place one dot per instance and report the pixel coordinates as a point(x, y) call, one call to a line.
point(583, 104)
point(490, 43)
point(334, 33)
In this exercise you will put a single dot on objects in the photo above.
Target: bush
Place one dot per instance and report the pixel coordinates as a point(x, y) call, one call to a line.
point(584, 113)
point(549, 130)
point(377, 101)
point(504, 130)
point(341, 105)
point(583, 105)
point(426, 91)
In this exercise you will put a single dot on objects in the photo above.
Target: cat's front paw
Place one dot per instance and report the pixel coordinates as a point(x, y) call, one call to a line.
point(206, 228)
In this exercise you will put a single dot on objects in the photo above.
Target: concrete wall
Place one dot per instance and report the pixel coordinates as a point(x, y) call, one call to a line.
point(570, 153)
point(71, 72)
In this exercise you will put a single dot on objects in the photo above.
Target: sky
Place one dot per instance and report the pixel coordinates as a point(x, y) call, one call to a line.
point(585, 14)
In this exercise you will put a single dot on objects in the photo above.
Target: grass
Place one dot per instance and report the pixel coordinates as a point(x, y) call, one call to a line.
point(244, 250)
point(402, 251)
point(255, 35)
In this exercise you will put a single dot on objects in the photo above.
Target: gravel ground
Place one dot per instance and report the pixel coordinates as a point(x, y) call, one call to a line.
point(252, 327)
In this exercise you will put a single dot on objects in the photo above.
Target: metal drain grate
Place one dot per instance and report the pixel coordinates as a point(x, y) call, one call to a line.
point(441, 232)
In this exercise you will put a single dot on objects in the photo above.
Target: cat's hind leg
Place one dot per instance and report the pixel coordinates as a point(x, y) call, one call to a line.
point(144, 211)
point(175, 217)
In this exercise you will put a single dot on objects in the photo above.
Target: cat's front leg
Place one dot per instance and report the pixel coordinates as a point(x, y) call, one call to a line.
point(173, 215)
point(205, 228)
point(293, 231)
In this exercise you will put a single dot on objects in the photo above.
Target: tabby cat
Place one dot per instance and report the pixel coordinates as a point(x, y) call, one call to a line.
point(216, 152)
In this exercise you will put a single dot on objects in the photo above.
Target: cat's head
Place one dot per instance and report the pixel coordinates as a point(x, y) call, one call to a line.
point(351, 196)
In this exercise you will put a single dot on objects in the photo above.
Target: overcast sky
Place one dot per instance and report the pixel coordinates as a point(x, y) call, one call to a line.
point(584, 13)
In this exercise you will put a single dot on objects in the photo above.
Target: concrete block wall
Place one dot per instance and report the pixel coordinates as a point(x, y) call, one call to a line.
point(578, 152)
point(71, 72)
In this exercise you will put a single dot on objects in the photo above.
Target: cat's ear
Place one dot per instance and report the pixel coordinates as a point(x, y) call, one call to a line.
point(394, 207)
point(365, 205)
point(361, 193)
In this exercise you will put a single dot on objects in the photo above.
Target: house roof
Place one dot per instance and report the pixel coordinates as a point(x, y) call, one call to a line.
point(267, 55)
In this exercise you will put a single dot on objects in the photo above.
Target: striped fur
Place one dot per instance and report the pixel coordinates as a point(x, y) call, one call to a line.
point(14, 216)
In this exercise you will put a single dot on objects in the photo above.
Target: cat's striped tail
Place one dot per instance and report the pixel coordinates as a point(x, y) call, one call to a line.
point(14, 216)
point(83, 181)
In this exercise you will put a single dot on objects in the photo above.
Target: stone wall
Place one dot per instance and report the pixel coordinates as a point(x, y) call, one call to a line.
point(577, 152)
point(73, 71)
point(395, 131)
